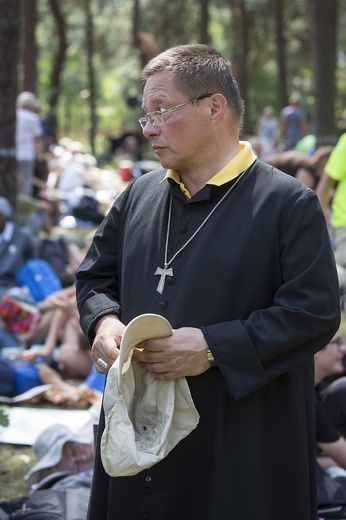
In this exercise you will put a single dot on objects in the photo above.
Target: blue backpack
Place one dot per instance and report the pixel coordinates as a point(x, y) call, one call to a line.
point(40, 277)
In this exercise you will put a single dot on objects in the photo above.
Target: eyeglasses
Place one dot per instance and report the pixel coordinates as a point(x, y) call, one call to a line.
point(156, 118)
point(338, 342)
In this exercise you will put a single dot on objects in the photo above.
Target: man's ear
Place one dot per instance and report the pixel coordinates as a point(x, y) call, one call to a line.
point(218, 106)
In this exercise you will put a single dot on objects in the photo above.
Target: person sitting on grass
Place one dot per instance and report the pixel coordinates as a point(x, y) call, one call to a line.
point(59, 449)
point(72, 371)
point(331, 422)
point(61, 478)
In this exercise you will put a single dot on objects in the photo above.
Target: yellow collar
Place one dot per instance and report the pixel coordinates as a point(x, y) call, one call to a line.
point(243, 160)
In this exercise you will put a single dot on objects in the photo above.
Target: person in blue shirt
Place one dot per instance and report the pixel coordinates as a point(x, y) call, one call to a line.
point(293, 122)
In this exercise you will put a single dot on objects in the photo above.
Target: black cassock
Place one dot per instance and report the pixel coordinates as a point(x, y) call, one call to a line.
point(259, 279)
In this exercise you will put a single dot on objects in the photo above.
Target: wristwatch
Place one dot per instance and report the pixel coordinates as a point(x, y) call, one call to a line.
point(210, 358)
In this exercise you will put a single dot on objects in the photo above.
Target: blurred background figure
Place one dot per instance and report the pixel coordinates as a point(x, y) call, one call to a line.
point(61, 478)
point(29, 133)
point(16, 247)
point(307, 169)
point(330, 388)
point(267, 132)
point(58, 449)
point(331, 191)
point(293, 122)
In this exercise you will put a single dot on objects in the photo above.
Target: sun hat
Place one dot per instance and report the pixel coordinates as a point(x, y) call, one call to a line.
point(5, 207)
point(27, 99)
point(144, 418)
point(49, 445)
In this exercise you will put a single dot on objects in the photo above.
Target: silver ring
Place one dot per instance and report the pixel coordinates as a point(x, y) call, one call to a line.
point(102, 363)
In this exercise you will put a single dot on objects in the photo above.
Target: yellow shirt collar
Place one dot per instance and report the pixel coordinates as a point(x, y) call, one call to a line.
point(243, 160)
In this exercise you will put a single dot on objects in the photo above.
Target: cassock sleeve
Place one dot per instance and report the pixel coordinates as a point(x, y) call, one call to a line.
point(97, 276)
point(305, 310)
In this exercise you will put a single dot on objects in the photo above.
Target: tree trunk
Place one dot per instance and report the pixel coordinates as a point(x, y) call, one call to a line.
point(9, 33)
point(204, 22)
point(57, 67)
point(91, 75)
point(29, 45)
point(280, 53)
point(144, 42)
point(323, 16)
point(240, 52)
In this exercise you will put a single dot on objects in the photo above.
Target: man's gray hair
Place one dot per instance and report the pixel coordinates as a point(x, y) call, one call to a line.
point(197, 70)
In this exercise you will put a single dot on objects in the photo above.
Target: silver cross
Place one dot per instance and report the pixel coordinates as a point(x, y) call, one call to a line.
point(162, 273)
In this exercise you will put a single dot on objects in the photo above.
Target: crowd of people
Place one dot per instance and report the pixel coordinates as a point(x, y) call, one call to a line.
point(52, 349)
point(60, 188)
point(56, 180)
point(249, 361)
point(283, 132)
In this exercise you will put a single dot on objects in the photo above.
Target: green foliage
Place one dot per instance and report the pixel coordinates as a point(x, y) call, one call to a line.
point(4, 421)
point(117, 62)
point(176, 25)
point(262, 93)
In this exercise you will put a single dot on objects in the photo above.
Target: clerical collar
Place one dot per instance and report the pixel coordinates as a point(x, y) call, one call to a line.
point(243, 160)
point(7, 233)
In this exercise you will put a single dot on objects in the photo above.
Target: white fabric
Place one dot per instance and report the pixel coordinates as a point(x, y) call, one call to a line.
point(28, 126)
point(145, 418)
point(72, 176)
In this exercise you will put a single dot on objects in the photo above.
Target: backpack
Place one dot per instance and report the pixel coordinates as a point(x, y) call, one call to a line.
point(87, 210)
point(70, 503)
point(40, 277)
point(54, 251)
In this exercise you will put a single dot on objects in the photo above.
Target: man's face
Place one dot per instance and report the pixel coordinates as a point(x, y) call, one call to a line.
point(331, 356)
point(76, 457)
point(182, 140)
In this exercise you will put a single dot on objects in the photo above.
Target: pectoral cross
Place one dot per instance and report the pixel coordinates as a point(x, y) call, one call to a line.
point(162, 273)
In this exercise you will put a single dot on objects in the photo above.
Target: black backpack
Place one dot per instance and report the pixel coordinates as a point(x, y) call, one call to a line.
point(54, 251)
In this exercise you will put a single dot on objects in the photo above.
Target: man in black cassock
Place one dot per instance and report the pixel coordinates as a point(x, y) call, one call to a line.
point(236, 255)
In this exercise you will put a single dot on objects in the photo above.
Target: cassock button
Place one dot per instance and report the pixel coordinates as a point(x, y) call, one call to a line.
point(145, 516)
point(163, 305)
point(170, 280)
point(182, 230)
point(147, 490)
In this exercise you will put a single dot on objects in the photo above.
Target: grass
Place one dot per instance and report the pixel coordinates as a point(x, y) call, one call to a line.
point(15, 462)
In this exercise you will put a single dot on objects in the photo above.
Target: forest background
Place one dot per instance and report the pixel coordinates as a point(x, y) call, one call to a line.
point(83, 58)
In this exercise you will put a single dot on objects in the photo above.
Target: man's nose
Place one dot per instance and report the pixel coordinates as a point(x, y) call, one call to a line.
point(150, 129)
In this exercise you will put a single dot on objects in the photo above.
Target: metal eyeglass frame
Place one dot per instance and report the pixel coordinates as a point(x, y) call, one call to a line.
point(155, 118)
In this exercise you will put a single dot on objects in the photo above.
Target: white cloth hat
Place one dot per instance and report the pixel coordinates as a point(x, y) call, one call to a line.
point(145, 418)
point(27, 99)
point(49, 445)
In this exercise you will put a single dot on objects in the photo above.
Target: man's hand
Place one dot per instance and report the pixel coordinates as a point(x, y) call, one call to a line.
point(109, 331)
point(182, 354)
